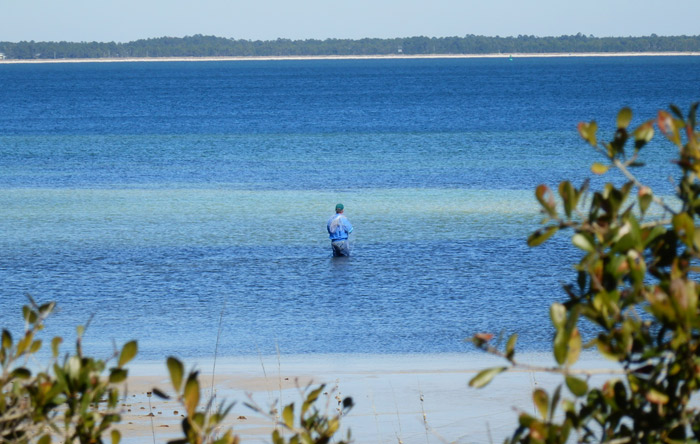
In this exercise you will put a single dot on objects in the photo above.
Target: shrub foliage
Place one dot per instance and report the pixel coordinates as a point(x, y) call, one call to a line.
point(636, 285)
point(76, 398)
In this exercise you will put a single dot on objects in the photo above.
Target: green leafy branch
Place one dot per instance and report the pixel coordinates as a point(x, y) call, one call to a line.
point(71, 399)
point(635, 285)
point(199, 426)
point(309, 425)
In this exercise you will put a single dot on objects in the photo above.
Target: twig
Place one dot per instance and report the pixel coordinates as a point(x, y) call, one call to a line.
point(398, 415)
point(279, 377)
point(216, 353)
point(150, 414)
point(376, 417)
point(656, 223)
point(557, 370)
point(623, 168)
point(425, 418)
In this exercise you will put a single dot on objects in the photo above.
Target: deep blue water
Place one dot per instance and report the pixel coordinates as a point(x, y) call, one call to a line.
point(159, 198)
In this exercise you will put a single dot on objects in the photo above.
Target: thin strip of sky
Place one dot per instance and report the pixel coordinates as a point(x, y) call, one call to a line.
point(127, 20)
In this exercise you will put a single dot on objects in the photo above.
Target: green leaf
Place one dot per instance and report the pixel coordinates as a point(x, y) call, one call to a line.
point(568, 196)
point(484, 377)
point(605, 350)
point(683, 226)
point(29, 315)
point(583, 242)
point(46, 439)
point(577, 386)
point(677, 111)
point(160, 394)
point(510, 346)
point(35, 347)
point(643, 134)
point(55, 342)
point(191, 393)
point(540, 236)
point(644, 197)
point(670, 127)
point(6, 339)
point(599, 168)
point(177, 370)
point(546, 198)
point(128, 352)
point(561, 346)
point(588, 132)
point(117, 375)
point(657, 397)
point(24, 343)
point(20, 373)
point(47, 308)
point(72, 368)
point(116, 436)
point(313, 396)
point(541, 400)
point(653, 235)
point(624, 117)
point(333, 426)
point(526, 420)
point(557, 313)
point(555, 402)
point(574, 347)
point(696, 239)
point(617, 145)
point(288, 416)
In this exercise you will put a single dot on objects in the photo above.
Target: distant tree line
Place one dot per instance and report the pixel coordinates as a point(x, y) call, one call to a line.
point(211, 46)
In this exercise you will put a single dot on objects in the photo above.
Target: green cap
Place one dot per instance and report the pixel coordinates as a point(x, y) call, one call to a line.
point(339, 207)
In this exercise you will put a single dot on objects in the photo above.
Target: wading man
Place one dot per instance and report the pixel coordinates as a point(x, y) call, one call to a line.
point(338, 228)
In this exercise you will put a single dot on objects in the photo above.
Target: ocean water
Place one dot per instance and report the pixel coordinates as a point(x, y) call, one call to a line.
point(184, 204)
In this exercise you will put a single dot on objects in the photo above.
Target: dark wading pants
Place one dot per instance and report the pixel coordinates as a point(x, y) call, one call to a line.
point(340, 248)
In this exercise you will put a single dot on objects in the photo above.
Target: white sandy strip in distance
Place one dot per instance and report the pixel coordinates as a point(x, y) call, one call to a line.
point(350, 57)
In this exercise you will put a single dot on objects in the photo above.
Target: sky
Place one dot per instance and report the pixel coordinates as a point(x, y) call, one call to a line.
point(128, 20)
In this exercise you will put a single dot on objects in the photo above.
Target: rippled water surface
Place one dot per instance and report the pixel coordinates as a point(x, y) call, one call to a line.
point(178, 203)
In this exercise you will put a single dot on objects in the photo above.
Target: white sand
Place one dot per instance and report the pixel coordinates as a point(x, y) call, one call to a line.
point(350, 57)
point(387, 391)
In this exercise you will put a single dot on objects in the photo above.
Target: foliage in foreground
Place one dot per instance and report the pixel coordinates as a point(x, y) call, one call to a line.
point(75, 399)
point(637, 285)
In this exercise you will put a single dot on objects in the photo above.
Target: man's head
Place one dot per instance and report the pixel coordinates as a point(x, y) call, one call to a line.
point(339, 208)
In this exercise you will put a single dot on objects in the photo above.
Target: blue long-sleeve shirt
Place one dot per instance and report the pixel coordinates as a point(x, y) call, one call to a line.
point(338, 227)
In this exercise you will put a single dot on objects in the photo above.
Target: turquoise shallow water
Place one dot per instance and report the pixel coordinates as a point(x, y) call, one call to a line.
point(183, 203)
point(164, 263)
point(36, 217)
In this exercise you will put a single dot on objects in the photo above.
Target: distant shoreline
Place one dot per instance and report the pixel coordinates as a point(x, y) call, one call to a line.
point(349, 57)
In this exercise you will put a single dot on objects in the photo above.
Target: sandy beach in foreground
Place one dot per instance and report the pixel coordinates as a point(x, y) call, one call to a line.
point(351, 57)
point(398, 398)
